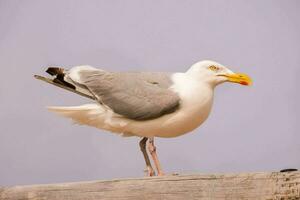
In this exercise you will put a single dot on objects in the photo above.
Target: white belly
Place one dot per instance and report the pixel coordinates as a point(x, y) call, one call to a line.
point(172, 125)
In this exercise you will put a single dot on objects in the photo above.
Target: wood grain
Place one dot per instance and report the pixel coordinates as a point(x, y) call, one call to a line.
point(266, 186)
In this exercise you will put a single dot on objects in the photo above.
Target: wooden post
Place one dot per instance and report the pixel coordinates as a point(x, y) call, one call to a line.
point(256, 186)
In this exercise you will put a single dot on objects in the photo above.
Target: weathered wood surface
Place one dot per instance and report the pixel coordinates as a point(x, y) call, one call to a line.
point(267, 186)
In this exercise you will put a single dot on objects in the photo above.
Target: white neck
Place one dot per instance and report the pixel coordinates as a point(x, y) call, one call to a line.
point(196, 98)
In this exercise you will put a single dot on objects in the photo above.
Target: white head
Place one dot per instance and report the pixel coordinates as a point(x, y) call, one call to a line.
point(214, 73)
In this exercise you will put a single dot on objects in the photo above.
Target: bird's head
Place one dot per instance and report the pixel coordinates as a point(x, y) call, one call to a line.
point(215, 73)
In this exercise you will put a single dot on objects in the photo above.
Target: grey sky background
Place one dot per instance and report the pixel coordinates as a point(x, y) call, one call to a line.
point(250, 128)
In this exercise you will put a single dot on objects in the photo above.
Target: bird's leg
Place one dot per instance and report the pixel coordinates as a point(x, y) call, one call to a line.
point(152, 150)
point(149, 170)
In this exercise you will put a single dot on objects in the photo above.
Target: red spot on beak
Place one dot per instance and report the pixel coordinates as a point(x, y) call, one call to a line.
point(244, 83)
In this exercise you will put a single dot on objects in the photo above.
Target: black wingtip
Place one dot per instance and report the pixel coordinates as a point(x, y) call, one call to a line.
point(55, 71)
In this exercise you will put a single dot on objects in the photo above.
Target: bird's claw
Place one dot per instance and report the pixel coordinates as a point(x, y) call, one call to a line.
point(160, 174)
point(149, 171)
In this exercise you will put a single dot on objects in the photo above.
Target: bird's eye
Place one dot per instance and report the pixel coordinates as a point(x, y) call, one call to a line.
point(213, 68)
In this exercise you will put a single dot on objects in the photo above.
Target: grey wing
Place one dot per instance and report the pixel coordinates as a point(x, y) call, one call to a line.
point(139, 96)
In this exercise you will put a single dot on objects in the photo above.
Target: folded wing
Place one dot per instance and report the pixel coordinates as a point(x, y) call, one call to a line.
point(138, 96)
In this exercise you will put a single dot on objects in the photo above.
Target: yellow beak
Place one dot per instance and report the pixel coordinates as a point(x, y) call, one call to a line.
point(238, 78)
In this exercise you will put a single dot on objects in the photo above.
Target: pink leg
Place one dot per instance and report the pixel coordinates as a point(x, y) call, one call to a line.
point(152, 150)
point(149, 170)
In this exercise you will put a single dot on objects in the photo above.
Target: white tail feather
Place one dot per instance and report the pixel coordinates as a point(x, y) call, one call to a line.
point(92, 115)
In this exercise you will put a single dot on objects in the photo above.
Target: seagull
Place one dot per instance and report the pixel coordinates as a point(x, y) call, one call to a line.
point(143, 104)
